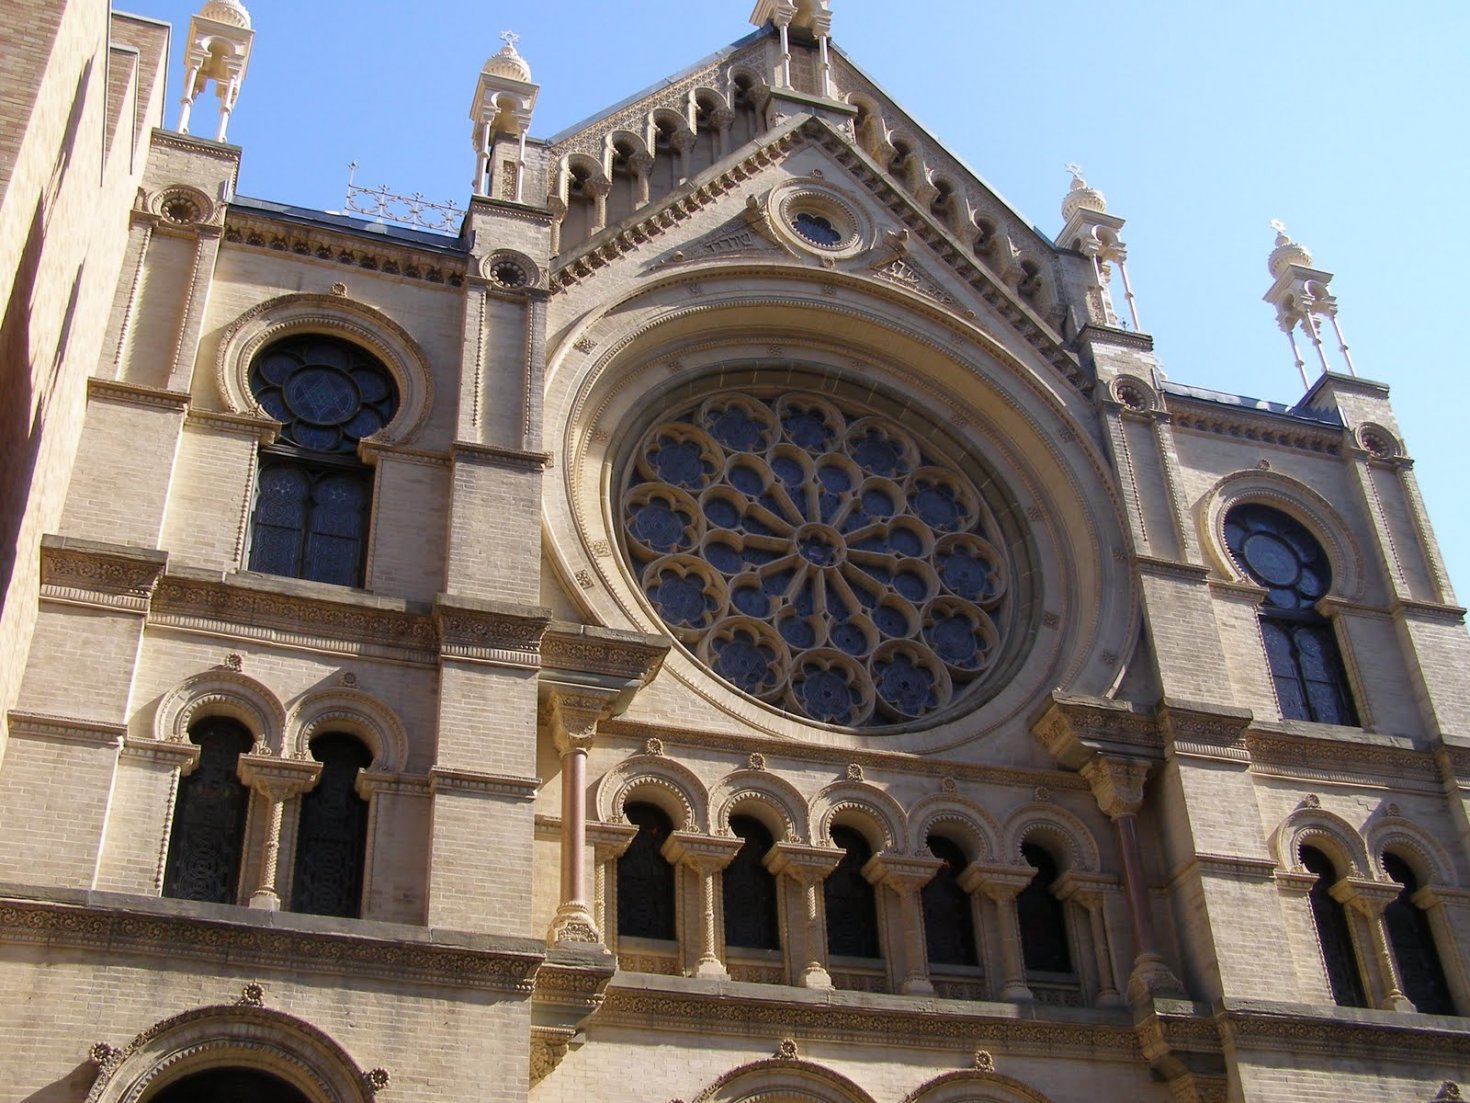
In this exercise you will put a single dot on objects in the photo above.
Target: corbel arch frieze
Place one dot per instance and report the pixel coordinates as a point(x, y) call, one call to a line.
point(1070, 839)
point(354, 712)
point(1309, 507)
point(858, 804)
point(221, 692)
point(616, 364)
point(672, 786)
point(975, 1086)
point(332, 315)
point(781, 1078)
point(771, 799)
point(964, 821)
point(1329, 833)
point(1429, 860)
point(212, 1037)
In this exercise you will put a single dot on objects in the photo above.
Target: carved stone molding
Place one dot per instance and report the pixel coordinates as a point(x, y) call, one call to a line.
point(490, 631)
point(109, 576)
point(1385, 1035)
point(1211, 731)
point(258, 230)
point(1117, 784)
point(278, 778)
point(491, 455)
point(63, 729)
point(478, 783)
point(586, 649)
point(1073, 729)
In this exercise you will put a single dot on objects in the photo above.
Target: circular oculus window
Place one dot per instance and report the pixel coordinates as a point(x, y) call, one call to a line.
point(815, 556)
point(818, 219)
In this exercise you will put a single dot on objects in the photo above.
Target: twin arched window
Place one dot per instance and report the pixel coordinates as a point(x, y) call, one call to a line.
point(1277, 552)
point(645, 878)
point(207, 840)
point(1042, 917)
point(949, 924)
point(852, 907)
point(750, 889)
point(313, 492)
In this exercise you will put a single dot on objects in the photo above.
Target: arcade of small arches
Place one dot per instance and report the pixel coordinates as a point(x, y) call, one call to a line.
point(750, 881)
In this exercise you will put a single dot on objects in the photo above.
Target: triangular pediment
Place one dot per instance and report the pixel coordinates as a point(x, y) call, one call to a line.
point(726, 214)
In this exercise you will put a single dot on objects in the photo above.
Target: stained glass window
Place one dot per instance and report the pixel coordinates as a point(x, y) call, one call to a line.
point(1043, 918)
point(313, 494)
point(645, 877)
point(750, 889)
point(1277, 552)
point(852, 906)
point(331, 840)
point(208, 833)
point(818, 557)
point(1412, 939)
point(1333, 933)
point(949, 924)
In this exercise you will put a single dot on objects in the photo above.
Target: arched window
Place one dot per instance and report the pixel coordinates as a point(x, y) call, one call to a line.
point(1277, 552)
point(949, 924)
point(331, 841)
point(1333, 933)
point(1043, 918)
point(229, 1086)
point(750, 889)
point(645, 877)
point(313, 493)
point(852, 906)
point(208, 833)
point(1413, 945)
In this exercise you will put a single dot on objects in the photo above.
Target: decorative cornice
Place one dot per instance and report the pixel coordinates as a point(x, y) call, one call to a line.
point(634, 656)
point(135, 394)
point(1208, 417)
point(109, 576)
point(746, 1009)
point(372, 451)
point(1449, 615)
point(1168, 568)
point(479, 783)
point(198, 147)
point(148, 931)
point(341, 248)
point(1207, 730)
point(1073, 728)
point(1394, 1037)
point(1324, 758)
point(63, 729)
point(490, 631)
point(222, 421)
point(465, 452)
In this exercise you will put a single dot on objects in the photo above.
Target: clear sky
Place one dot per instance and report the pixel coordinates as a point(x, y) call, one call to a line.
point(1200, 122)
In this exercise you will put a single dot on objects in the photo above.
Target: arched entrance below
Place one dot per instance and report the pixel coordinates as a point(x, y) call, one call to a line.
point(230, 1085)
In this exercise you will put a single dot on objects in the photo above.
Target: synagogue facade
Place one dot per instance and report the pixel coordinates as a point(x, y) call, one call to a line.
point(743, 616)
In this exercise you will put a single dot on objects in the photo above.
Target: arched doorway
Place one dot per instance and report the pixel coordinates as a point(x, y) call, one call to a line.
point(230, 1085)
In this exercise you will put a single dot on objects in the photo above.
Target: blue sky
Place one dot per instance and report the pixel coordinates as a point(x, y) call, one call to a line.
point(1200, 122)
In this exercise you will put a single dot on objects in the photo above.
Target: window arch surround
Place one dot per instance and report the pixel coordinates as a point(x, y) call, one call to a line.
point(357, 713)
point(329, 316)
point(272, 1042)
point(221, 692)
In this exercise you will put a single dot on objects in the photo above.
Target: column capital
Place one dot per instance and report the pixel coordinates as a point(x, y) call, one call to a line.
point(573, 713)
point(999, 883)
point(1117, 783)
point(1087, 891)
point(901, 873)
point(275, 778)
point(806, 865)
point(1370, 898)
point(705, 854)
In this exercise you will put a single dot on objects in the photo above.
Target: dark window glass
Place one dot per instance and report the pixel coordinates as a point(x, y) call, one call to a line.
point(949, 925)
point(852, 908)
point(1413, 945)
point(331, 841)
point(1333, 933)
point(1277, 552)
point(313, 494)
point(230, 1086)
point(208, 833)
point(1042, 917)
point(750, 890)
point(645, 878)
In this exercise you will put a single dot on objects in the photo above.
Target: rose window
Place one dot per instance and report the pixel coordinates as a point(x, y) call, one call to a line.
point(817, 558)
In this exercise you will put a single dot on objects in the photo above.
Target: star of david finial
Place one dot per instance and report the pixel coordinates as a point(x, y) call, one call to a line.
point(1279, 226)
point(510, 38)
point(1075, 169)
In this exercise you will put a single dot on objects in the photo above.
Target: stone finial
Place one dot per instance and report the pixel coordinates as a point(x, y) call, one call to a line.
point(507, 62)
point(1287, 252)
point(231, 12)
point(1081, 196)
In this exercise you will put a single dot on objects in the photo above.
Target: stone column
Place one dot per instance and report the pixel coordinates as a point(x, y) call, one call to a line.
point(277, 780)
point(719, 120)
point(1369, 899)
point(600, 190)
point(683, 141)
point(608, 842)
point(1091, 899)
point(905, 877)
point(1431, 901)
point(1117, 785)
point(641, 164)
point(705, 856)
point(574, 714)
point(807, 866)
point(1002, 885)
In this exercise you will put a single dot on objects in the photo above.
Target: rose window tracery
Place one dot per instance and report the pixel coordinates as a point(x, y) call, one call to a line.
point(817, 558)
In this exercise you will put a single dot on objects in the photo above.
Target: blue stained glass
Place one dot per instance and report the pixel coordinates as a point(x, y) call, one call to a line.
point(757, 557)
point(807, 430)
point(321, 395)
point(680, 462)
point(826, 696)
point(881, 574)
point(904, 684)
point(878, 454)
point(955, 640)
point(834, 478)
point(680, 600)
point(818, 549)
point(658, 526)
point(788, 471)
point(964, 574)
point(367, 422)
point(890, 621)
point(803, 600)
point(905, 542)
point(937, 507)
point(746, 480)
point(911, 586)
point(274, 405)
point(319, 438)
point(850, 638)
point(776, 583)
point(737, 430)
point(744, 662)
point(797, 632)
point(816, 229)
point(878, 503)
point(723, 558)
point(756, 527)
point(722, 513)
point(277, 368)
point(751, 601)
point(371, 385)
point(828, 505)
point(837, 609)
